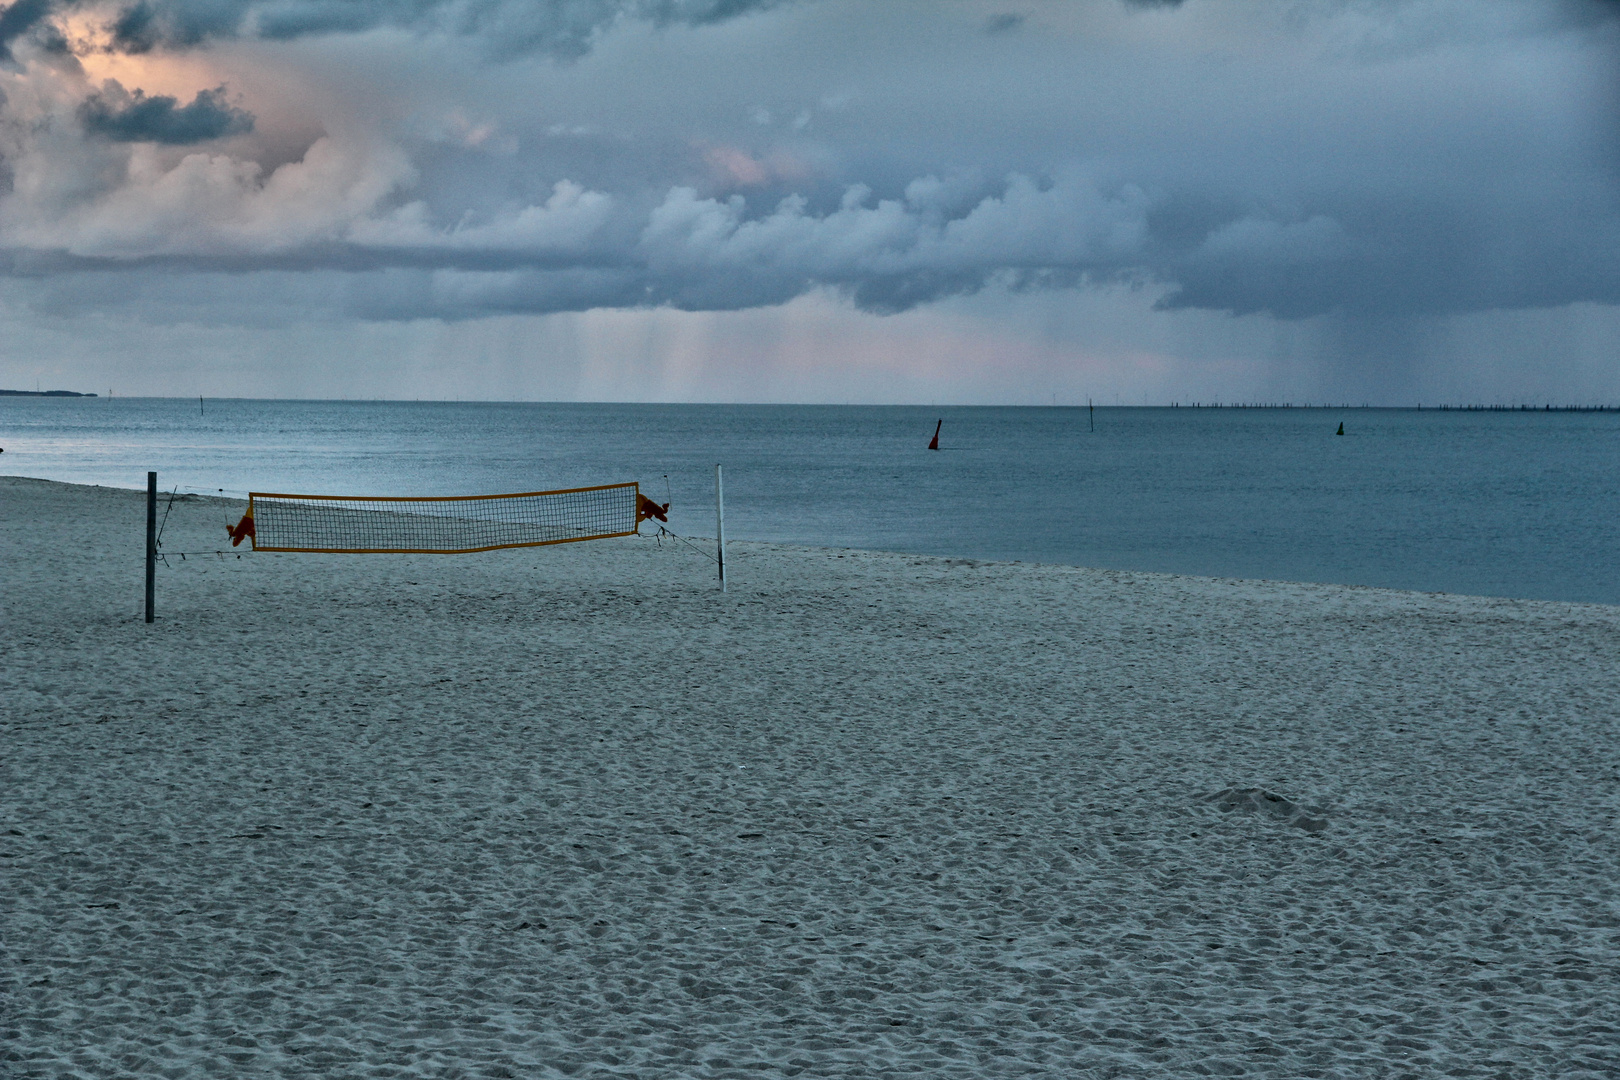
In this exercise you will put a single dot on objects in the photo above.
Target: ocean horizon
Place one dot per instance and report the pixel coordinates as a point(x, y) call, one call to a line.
point(1501, 502)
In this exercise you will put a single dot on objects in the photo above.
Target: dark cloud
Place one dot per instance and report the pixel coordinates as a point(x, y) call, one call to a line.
point(1311, 185)
point(580, 250)
point(117, 114)
point(891, 294)
point(564, 28)
point(18, 19)
point(1588, 12)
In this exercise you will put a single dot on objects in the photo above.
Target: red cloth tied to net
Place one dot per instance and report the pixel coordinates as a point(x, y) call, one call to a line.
point(646, 508)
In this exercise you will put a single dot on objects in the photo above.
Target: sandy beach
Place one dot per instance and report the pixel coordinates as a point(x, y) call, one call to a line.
point(573, 812)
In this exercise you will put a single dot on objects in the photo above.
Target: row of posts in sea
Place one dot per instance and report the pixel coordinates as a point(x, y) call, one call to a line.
point(1420, 407)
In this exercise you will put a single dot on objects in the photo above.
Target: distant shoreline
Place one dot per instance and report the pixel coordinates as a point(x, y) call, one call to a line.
point(43, 393)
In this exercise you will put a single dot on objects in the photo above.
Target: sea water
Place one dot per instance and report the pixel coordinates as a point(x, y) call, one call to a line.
point(1521, 504)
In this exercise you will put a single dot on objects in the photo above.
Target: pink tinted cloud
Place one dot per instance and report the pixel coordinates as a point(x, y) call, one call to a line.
point(734, 167)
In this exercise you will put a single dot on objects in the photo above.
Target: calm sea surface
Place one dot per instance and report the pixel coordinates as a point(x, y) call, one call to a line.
point(1507, 504)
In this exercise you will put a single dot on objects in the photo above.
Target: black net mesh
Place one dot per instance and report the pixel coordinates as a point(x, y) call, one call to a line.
point(445, 526)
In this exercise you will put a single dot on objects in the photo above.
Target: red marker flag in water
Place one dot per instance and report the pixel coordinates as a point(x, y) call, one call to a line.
point(243, 529)
point(933, 444)
point(646, 508)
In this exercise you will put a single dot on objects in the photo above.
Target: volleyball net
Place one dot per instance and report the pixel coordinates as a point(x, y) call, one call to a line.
point(444, 525)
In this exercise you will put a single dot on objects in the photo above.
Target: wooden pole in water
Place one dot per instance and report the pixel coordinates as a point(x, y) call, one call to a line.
point(719, 525)
point(1091, 415)
point(151, 539)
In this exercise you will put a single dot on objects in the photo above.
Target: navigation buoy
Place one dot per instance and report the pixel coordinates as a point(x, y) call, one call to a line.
point(1341, 428)
point(933, 444)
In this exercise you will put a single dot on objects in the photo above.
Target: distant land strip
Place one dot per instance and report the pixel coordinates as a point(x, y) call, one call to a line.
point(43, 393)
point(1420, 408)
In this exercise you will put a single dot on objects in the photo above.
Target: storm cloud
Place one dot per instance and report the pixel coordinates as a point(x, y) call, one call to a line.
point(19, 18)
point(508, 27)
point(117, 114)
point(1361, 160)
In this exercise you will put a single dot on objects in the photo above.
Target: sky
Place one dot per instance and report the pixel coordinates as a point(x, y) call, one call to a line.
point(931, 201)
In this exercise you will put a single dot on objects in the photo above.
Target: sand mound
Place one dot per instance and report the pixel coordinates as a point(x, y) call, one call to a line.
point(1270, 804)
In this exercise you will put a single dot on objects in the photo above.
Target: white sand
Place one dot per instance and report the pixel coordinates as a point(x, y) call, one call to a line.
point(570, 811)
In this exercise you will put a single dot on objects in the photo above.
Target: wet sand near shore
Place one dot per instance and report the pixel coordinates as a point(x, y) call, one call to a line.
point(571, 811)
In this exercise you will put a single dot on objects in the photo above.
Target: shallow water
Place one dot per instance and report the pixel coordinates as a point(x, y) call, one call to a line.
point(1506, 504)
